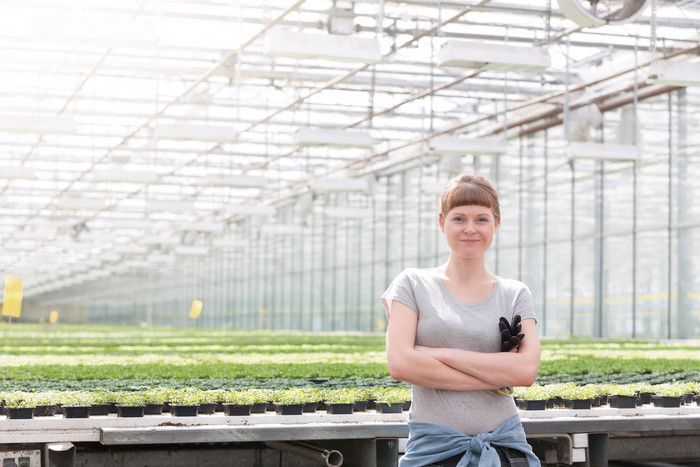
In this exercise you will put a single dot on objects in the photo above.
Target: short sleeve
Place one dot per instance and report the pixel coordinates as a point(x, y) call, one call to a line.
point(524, 304)
point(401, 289)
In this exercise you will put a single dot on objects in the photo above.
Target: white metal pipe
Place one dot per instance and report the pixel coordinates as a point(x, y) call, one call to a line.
point(330, 458)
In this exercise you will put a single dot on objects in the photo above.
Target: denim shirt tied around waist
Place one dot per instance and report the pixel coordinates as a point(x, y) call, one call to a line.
point(429, 443)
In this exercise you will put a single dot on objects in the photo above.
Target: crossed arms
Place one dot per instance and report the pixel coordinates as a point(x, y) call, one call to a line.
point(456, 369)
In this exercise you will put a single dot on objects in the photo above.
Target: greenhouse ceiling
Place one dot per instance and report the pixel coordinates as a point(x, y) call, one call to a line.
point(125, 125)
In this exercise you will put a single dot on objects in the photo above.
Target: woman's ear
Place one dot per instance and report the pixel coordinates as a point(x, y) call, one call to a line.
point(441, 219)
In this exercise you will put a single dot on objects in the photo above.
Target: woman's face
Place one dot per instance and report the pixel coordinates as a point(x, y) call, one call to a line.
point(469, 230)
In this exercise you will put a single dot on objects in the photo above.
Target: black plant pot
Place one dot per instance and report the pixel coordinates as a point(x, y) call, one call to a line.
point(44, 410)
point(360, 406)
point(76, 411)
point(184, 410)
point(207, 408)
point(237, 410)
point(259, 407)
point(130, 410)
point(309, 407)
point(153, 409)
point(555, 402)
point(532, 404)
point(100, 409)
point(395, 407)
point(289, 409)
point(622, 402)
point(645, 397)
point(19, 413)
point(339, 408)
point(666, 401)
point(578, 404)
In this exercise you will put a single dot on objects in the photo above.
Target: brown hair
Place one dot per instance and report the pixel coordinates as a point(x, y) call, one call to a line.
point(469, 189)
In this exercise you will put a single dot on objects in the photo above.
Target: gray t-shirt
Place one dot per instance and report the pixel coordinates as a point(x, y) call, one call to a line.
point(444, 321)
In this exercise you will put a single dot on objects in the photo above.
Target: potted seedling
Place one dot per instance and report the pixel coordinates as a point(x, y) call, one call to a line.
point(155, 399)
point(130, 403)
point(532, 398)
point(668, 395)
point(290, 401)
point(19, 405)
point(577, 397)
point(622, 396)
point(46, 403)
point(390, 399)
point(644, 392)
point(217, 397)
point(75, 404)
point(341, 401)
point(103, 402)
point(261, 399)
point(185, 402)
point(238, 402)
point(208, 401)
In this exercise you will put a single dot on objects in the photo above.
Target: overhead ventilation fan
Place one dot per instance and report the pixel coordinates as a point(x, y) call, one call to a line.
point(596, 13)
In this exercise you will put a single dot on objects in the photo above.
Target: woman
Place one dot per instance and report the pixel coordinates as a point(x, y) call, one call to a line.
point(443, 337)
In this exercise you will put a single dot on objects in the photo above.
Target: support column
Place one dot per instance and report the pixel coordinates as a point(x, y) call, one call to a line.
point(685, 324)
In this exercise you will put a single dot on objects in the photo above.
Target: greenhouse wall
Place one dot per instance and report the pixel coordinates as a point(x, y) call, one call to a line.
point(606, 246)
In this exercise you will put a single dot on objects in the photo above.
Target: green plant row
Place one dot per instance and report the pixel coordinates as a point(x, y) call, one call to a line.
point(194, 396)
point(72, 357)
point(575, 391)
point(306, 394)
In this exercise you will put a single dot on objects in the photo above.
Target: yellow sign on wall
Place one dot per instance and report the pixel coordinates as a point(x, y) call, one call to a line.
point(12, 305)
point(196, 309)
point(53, 317)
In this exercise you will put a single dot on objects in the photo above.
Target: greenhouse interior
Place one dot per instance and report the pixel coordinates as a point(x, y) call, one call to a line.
point(281, 161)
point(204, 199)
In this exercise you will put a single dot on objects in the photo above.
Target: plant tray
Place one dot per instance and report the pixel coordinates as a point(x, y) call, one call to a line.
point(339, 408)
point(290, 409)
point(622, 402)
point(237, 410)
point(184, 410)
point(532, 404)
point(130, 410)
point(666, 401)
point(78, 411)
point(383, 407)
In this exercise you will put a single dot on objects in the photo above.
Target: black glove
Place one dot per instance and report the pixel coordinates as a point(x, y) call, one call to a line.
point(510, 333)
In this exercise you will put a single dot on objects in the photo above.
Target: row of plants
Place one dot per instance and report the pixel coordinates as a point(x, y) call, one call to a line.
point(72, 358)
point(63, 356)
point(327, 396)
point(575, 391)
point(195, 397)
point(621, 396)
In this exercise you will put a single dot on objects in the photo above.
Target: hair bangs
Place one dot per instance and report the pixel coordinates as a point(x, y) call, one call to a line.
point(467, 194)
point(470, 190)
